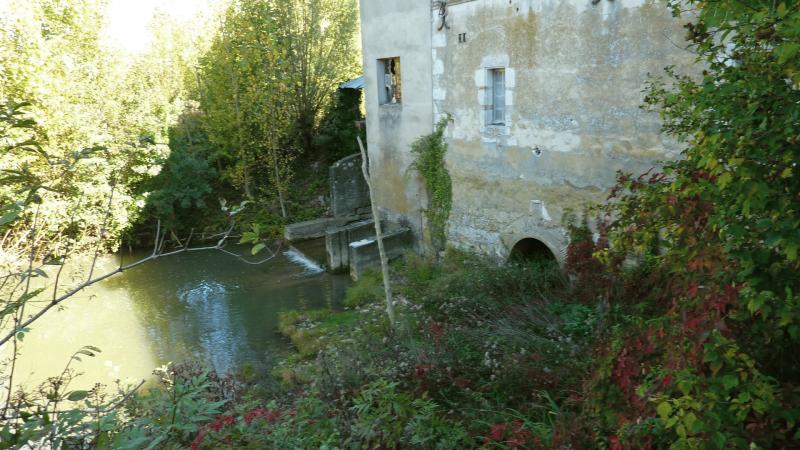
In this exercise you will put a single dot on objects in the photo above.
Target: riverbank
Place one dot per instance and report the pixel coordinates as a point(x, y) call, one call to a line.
point(483, 356)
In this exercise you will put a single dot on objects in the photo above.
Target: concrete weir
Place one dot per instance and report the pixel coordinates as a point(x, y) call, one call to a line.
point(350, 242)
point(364, 256)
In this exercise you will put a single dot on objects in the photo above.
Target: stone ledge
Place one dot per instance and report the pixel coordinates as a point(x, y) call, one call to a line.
point(317, 228)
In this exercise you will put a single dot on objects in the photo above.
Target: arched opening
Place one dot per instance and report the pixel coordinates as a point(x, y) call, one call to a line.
point(530, 249)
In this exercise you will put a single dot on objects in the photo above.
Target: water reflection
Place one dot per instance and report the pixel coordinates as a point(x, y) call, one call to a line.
point(204, 305)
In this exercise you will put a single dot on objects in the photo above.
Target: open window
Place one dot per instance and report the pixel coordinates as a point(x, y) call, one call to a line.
point(389, 81)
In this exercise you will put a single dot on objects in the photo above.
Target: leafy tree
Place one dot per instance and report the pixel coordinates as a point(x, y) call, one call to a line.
point(81, 95)
point(339, 129)
point(266, 79)
point(323, 52)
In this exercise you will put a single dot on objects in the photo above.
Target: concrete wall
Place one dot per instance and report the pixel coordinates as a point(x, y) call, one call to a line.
point(349, 192)
point(574, 79)
point(397, 28)
point(364, 255)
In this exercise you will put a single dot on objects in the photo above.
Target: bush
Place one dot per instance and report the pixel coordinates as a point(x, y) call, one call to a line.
point(386, 418)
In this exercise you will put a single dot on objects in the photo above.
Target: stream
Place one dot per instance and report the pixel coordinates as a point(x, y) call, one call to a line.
point(205, 306)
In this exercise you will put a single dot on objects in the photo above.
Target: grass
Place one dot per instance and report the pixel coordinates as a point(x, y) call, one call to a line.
point(307, 329)
point(368, 289)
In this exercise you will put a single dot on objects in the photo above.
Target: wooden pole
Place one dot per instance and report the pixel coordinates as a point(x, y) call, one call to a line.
point(378, 236)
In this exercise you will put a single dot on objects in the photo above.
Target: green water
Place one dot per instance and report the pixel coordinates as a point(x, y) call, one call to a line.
point(204, 306)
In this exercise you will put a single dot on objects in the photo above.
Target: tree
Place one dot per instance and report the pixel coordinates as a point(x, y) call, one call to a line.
point(85, 96)
point(269, 74)
point(323, 53)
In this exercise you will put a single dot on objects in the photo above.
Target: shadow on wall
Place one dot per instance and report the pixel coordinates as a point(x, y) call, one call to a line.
point(530, 249)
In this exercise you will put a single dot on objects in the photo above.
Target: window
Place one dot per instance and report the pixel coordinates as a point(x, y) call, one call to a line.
point(389, 84)
point(497, 99)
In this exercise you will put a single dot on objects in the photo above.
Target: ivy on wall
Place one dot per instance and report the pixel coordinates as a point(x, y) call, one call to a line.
point(430, 151)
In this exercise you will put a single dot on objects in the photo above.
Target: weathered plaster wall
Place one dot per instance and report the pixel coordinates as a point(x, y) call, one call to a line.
point(574, 79)
point(397, 28)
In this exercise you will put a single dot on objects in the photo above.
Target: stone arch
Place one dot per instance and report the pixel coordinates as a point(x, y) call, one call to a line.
point(528, 249)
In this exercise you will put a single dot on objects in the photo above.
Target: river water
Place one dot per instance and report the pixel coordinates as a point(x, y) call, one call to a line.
point(206, 306)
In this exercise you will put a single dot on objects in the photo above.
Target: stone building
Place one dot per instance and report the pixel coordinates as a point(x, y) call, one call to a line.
point(545, 102)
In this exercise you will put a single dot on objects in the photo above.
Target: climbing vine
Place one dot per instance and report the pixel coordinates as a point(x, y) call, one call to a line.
point(430, 151)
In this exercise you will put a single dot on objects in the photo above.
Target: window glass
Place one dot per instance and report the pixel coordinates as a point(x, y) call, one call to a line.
point(498, 99)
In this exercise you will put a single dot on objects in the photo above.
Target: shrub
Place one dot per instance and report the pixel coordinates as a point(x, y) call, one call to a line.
point(386, 418)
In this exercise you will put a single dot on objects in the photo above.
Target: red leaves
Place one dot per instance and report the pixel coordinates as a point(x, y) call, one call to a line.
point(462, 382)
point(497, 431)
point(437, 328)
point(221, 421)
point(270, 415)
point(632, 363)
point(198, 440)
point(421, 371)
point(728, 297)
point(615, 443)
point(228, 420)
point(513, 434)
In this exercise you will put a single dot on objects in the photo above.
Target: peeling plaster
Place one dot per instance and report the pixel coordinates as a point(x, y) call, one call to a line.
point(574, 73)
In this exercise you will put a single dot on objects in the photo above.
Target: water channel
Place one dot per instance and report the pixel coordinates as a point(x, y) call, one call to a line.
point(205, 306)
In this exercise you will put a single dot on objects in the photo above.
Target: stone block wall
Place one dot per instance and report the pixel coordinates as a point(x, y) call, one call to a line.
point(349, 192)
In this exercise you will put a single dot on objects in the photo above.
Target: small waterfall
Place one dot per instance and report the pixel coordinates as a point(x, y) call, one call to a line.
point(297, 257)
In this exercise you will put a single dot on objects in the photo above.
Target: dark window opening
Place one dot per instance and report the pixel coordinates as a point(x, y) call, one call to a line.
point(389, 82)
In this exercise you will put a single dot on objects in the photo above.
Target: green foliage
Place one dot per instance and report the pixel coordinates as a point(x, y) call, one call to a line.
point(711, 362)
point(172, 413)
point(387, 418)
point(430, 154)
point(339, 129)
point(304, 328)
point(265, 83)
point(476, 340)
point(181, 190)
point(110, 111)
point(368, 289)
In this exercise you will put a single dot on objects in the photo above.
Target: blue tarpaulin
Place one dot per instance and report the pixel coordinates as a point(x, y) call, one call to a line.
point(355, 83)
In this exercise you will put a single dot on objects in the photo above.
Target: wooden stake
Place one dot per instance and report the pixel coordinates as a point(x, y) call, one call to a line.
point(378, 236)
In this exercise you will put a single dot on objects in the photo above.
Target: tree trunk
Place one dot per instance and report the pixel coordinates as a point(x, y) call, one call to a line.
point(378, 236)
point(247, 188)
point(278, 183)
